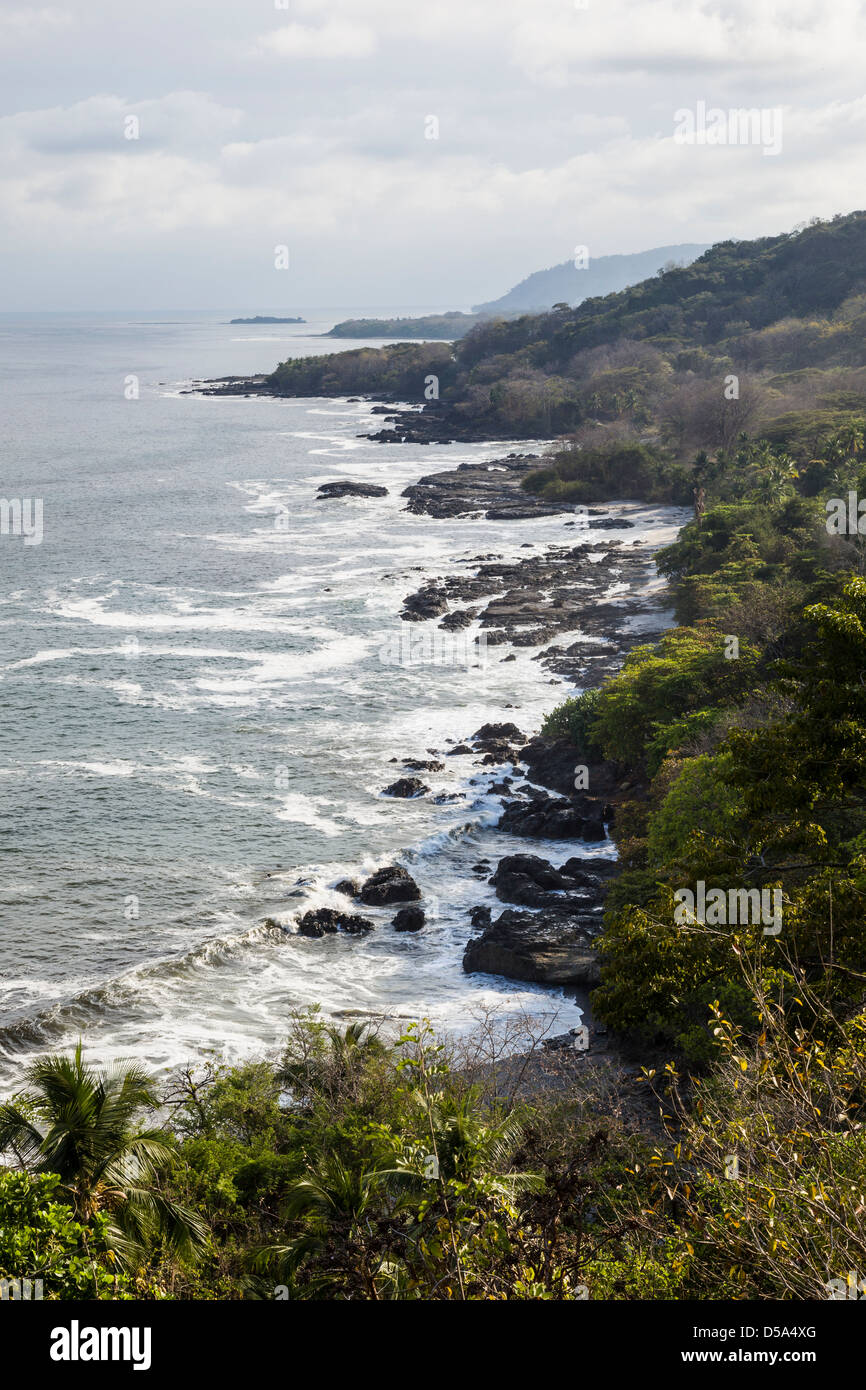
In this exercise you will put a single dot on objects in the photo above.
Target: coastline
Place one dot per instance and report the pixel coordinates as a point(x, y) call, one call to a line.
point(548, 922)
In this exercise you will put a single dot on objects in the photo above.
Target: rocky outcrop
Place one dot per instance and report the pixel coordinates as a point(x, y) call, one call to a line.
point(346, 488)
point(489, 489)
point(541, 817)
point(389, 885)
point(325, 921)
point(409, 919)
point(530, 881)
point(552, 762)
point(429, 602)
point(544, 948)
point(532, 601)
point(406, 787)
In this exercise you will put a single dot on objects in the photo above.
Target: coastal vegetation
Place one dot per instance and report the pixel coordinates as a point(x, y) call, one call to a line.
point(362, 1166)
point(449, 325)
point(763, 336)
point(358, 1168)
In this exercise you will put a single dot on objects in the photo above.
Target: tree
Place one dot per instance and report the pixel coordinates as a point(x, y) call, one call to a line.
point(40, 1240)
point(82, 1125)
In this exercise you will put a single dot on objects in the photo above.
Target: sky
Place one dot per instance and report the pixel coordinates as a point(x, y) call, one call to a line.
point(403, 152)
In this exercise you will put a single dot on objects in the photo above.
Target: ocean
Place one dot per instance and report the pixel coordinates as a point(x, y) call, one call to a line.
point(201, 702)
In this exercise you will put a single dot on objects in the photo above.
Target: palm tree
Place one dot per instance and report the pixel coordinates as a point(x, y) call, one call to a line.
point(81, 1124)
point(339, 1202)
point(333, 1061)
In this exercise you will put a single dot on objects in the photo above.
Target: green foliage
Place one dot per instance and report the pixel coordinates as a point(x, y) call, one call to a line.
point(450, 325)
point(639, 714)
point(398, 371)
point(41, 1239)
point(82, 1125)
point(573, 720)
point(649, 361)
point(623, 469)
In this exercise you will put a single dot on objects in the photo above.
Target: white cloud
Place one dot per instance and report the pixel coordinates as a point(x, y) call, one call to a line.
point(16, 24)
point(336, 39)
point(556, 129)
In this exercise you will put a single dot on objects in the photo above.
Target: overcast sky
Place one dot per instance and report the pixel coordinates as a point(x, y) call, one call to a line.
point(303, 123)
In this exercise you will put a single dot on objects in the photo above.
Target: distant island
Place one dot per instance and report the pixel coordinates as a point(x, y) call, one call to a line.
point(454, 324)
point(265, 318)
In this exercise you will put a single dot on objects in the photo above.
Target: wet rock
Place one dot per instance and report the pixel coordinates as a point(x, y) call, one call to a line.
point(347, 886)
point(491, 489)
point(406, 787)
point(415, 765)
point(576, 867)
point(409, 919)
point(327, 920)
point(498, 733)
point(541, 948)
point(563, 1041)
point(552, 762)
point(459, 619)
point(461, 748)
point(445, 798)
point(347, 488)
point(551, 818)
point(391, 884)
point(530, 881)
point(429, 602)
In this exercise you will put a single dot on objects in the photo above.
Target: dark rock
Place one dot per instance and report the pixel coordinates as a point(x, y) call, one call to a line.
point(407, 787)
point(479, 917)
point(389, 885)
point(460, 618)
point(444, 798)
point(461, 748)
point(409, 919)
point(551, 819)
point(345, 488)
point(542, 948)
point(498, 733)
point(610, 524)
point(347, 886)
point(563, 1041)
point(530, 881)
point(471, 489)
point(598, 868)
point(326, 920)
point(415, 765)
point(429, 602)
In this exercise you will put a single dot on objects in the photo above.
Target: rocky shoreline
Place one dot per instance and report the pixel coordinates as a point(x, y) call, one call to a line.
point(552, 912)
point(427, 423)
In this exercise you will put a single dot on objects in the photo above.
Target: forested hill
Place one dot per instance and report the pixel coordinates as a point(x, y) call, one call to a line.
point(787, 313)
